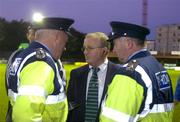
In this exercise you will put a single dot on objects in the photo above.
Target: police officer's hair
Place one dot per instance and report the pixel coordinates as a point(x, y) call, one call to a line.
point(100, 36)
point(43, 32)
point(138, 42)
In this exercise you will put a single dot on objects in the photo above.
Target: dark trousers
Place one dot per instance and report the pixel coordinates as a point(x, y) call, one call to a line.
point(9, 113)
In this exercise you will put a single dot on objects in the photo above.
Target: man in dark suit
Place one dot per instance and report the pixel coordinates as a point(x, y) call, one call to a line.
point(96, 49)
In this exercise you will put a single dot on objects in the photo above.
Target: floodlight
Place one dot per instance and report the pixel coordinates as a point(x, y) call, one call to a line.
point(37, 17)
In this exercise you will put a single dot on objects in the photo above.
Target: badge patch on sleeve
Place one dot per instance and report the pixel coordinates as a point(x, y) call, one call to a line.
point(163, 80)
point(14, 66)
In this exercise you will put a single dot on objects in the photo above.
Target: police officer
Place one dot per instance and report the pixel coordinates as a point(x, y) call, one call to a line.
point(35, 88)
point(157, 103)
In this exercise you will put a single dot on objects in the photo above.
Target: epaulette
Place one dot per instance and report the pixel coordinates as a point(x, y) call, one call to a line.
point(40, 53)
point(132, 65)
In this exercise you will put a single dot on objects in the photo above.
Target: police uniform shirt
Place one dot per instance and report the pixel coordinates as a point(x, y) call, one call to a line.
point(101, 78)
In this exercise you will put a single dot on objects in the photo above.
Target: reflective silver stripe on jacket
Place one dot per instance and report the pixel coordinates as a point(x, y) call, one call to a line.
point(116, 115)
point(27, 90)
point(149, 98)
point(12, 94)
point(36, 91)
point(59, 79)
point(32, 90)
point(158, 108)
point(53, 99)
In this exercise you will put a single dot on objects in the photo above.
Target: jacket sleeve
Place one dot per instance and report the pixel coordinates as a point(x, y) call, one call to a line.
point(70, 94)
point(177, 92)
point(36, 82)
point(70, 89)
point(123, 100)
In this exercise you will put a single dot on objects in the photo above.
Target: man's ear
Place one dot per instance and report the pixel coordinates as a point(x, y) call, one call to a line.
point(105, 51)
point(129, 44)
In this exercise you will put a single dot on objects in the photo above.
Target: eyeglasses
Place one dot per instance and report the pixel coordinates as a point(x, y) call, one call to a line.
point(90, 48)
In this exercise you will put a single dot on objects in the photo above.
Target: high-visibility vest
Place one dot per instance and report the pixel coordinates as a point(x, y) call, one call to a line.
point(159, 101)
point(35, 87)
point(125, 97)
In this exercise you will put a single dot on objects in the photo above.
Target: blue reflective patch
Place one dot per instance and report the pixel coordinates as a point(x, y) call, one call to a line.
point(14, 66)
point(163, 80)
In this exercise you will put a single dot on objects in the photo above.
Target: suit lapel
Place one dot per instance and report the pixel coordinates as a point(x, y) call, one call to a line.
point(84, 83)
point(108, 78)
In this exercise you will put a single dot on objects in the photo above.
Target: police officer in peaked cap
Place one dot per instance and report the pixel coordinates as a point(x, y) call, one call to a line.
point(147, 101)
point(35, 87)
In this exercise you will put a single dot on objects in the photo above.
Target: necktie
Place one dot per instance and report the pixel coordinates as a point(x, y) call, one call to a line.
point(92, 98)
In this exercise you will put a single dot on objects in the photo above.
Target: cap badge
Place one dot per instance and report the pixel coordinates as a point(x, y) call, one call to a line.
point(125, 34)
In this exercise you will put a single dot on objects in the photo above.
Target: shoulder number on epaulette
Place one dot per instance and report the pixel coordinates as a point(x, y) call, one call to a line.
point(40, 53)
point(132, 65)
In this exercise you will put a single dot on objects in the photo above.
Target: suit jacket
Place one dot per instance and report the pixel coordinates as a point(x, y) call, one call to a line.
point(76, 93)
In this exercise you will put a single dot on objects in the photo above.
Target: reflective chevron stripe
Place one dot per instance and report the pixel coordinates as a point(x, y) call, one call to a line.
point(158, 108)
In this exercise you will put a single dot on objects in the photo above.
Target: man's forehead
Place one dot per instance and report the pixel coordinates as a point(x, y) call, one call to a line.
point(121, 38)
point(92, 40)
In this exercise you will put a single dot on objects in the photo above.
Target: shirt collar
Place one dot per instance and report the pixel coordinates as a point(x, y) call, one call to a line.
point(102, 67)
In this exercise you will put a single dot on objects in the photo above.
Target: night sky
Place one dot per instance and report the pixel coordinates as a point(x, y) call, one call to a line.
point(95, 15)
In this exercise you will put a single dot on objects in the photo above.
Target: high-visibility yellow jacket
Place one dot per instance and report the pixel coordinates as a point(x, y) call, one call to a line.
point(159, 100)
point(35, 87)
point(128, 100)
point(124, 98)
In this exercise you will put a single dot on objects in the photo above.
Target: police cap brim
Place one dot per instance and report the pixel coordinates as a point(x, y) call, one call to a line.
point(56, 23)
point(122, 29)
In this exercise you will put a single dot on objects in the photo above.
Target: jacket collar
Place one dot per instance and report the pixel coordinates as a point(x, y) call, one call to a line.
point(36, 45)
point(139, 54)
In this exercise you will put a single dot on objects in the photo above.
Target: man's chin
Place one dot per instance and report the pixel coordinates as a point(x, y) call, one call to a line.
point(88, 61)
